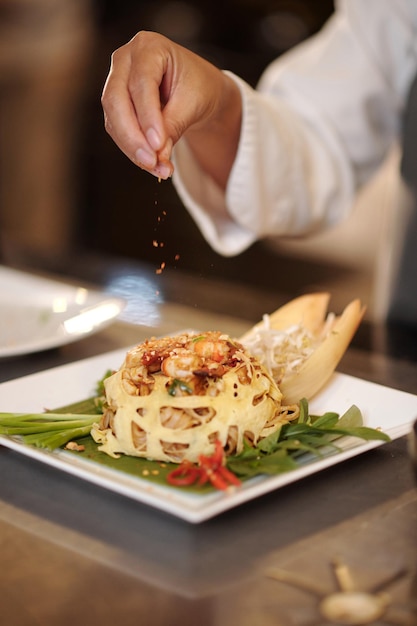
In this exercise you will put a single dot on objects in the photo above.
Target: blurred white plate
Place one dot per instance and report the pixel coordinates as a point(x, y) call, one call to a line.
point(37, 313)
point(389, 409)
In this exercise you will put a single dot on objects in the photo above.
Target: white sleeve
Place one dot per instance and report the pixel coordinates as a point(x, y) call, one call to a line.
point(319, 124)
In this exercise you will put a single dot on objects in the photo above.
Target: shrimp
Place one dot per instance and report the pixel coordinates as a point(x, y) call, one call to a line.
point(137, 382)
point(214, 346)
point(181, 364)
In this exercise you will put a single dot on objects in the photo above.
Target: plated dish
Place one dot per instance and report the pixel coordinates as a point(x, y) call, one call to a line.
point(391, 410)
point(38, 314)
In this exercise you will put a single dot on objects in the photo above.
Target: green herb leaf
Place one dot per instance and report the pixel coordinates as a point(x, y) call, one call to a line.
point(179, 384)
point(286, 448)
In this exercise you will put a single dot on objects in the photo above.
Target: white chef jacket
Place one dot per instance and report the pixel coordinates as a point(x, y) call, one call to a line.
point(316, 128)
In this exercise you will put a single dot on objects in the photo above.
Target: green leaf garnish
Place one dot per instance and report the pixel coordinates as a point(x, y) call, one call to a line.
point(46, 430)
point(313, 434)
point(179, 384)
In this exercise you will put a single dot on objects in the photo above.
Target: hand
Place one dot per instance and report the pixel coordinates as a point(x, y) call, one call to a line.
point(156, 92)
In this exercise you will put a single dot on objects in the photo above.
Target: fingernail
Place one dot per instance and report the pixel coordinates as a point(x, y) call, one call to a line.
point(142, 157)
point(163, 170)
point(153, 139)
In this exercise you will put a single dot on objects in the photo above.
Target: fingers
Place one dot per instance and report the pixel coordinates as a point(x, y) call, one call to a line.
point(119, 114)
point(132, 110)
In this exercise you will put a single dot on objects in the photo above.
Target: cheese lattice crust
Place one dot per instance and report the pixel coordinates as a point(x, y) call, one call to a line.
point(174, 397)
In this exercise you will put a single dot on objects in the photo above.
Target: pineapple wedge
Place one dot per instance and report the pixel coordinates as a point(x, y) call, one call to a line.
point(310, 311)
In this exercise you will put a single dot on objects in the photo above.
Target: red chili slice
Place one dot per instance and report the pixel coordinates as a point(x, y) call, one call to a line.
point(229, 476)
point(184, 475)
point(210, 468)
point(217, 481)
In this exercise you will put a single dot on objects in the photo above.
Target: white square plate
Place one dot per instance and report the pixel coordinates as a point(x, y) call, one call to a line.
point(391, 410)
